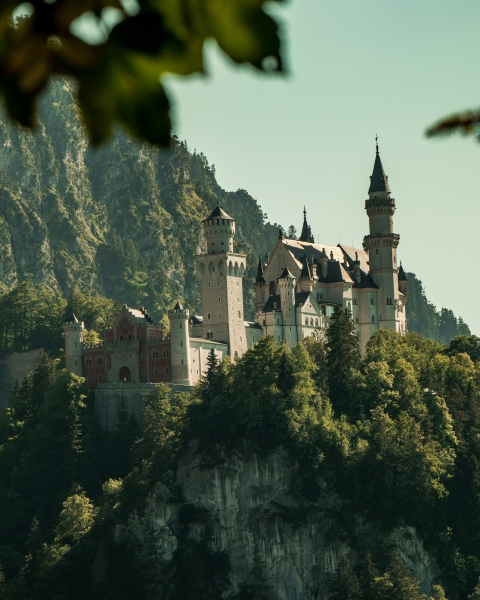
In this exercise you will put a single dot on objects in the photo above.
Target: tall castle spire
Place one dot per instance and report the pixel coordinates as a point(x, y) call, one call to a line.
point(306, 235)
point(378, 179)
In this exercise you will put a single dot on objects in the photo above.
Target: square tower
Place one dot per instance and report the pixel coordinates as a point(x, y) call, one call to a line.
point(221, 271)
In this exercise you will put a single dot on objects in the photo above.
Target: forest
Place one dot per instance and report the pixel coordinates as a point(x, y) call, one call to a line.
point(393, 437)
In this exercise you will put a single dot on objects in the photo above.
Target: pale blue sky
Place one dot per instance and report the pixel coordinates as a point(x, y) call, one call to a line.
point(357, 68)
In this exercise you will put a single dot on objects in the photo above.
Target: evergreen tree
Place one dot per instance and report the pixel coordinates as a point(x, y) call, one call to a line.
point(475, 595)
point(342, 355)
point(344, 584)
point(403, 585)
point(210, 379)
point(367, 577)
point(292, 232)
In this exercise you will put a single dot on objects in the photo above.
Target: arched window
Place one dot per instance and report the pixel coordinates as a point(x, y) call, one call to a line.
point(88, 362)
point(373, 319)
point(306, 321)
point(155, 354)
point(316, 322)
point(99, 360)
point(121, 338)
point(311, 322)
point(166, 353)
point(129, 337)
point(371, 300)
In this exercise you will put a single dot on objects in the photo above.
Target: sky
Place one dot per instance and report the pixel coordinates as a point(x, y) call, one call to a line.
point(357, 68)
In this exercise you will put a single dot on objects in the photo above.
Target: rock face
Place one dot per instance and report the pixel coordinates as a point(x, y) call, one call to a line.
point(251, 515)
point(123, 220)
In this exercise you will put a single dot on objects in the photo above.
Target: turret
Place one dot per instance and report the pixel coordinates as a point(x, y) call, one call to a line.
point(323, 260)
point(305, 281)
point(381, 245)
point(402, 280)
point(286, 287)
point(261, 288)
point(356, 269)
point(180, 345)
point(306, 235)
point(73, 329)
point(219, 229)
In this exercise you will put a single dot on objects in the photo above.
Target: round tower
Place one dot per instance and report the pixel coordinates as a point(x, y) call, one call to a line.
point(73, 329)
point(286, 288)
point(381, 245)
point(219, 230)
point(180, 345)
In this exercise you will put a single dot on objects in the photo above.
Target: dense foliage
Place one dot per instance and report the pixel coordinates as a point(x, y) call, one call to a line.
point(119, 74)
point(423, 317)
point(395, 445)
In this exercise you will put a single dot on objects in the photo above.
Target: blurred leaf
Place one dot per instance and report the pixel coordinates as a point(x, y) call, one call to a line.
point(119, 80)
point(467, 122)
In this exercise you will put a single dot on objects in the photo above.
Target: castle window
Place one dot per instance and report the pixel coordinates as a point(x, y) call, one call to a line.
point(376, 251)
point(319, 296)
point(89, 379)
point(75, 344)
point(182, 361)
point(181, 342)
point(76, 364)
point(354, 300)
point(371, 300)
point(88, 362)
point(155, 371)
point(99, 379)
point(218, 284)
point(180, 325)
point(316, 322)
point(311, 322)
point(209, 284)
point(129, 337)
point(143, 372)
point(306, 321)
point(167, 371)
point(166, 353)
point(239, 314)
point(99, 360)
point(373, 318)
point(208, 316)
point(121, 338)
point(356, 320)
point(219, 299)
point(155, 354)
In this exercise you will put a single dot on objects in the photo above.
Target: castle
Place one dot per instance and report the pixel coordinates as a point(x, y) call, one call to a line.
point(296, 291)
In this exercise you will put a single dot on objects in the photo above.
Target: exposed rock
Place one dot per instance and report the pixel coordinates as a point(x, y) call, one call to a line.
point(251, 513)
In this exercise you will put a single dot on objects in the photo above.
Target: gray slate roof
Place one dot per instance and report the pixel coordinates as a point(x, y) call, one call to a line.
point(378, 179)
point(218, 213)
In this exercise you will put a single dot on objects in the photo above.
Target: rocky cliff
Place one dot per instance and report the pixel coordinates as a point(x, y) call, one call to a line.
point(248, 510)
point(123, 220)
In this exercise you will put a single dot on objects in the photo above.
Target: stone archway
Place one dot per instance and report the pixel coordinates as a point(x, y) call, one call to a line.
point(125, 375)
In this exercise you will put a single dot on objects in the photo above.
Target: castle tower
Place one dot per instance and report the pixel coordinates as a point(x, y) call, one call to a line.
point(286, 287)
point(221, 271)
point(261, 288)
point(180, 345)
point(381, 245)
point(73, 329)
point(305, 281)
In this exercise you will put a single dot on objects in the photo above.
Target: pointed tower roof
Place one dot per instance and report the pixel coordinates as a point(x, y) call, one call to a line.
point(259, 278)
point(305, 272)
point(178, 306)
point(378, 179)
point(72, 319)
point(306, 235)
point(401, 274)
point(218, 213)
point(286, 274)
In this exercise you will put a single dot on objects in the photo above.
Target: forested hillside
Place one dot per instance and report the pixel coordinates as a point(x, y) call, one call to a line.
point(122, 220)
point(374, 459)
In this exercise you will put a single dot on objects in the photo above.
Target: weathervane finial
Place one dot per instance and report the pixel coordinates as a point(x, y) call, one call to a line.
point(304, 212)
point(376, 142)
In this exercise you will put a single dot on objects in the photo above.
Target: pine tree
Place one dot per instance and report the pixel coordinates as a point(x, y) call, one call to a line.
point(368, 576)
point(342, 355)
point(403, 586)
point(344, 584)
point(475, 595)
point(210, 379)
